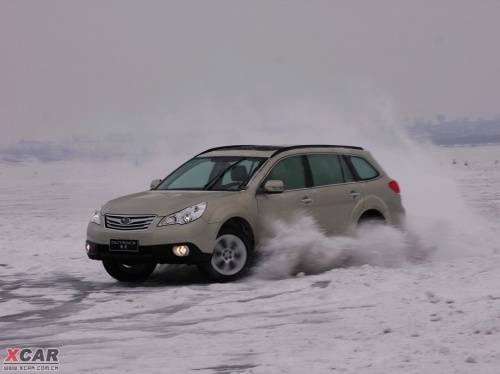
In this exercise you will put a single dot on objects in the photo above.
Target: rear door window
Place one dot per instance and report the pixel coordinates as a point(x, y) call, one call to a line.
point(325, 169)
point(328, 169)
point(348, 176)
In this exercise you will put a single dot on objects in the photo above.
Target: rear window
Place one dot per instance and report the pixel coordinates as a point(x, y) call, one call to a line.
point(363, 168)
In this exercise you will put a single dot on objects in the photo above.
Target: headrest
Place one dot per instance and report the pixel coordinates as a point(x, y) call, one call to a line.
point(239, 173)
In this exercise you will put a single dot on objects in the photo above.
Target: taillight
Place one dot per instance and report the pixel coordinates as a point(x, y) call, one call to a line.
point(394, 186)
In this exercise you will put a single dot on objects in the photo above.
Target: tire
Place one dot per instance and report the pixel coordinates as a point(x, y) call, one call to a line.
point(230, 259)
point(129, 272)
point(367, 224)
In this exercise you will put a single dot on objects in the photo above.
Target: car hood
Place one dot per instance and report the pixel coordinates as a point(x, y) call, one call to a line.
point(158, 202)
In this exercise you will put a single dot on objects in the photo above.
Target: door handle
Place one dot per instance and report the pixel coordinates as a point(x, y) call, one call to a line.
point(306, 200)
point(354, 194)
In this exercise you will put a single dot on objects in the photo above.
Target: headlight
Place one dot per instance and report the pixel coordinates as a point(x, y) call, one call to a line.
point(96, 218)
point(184, 216)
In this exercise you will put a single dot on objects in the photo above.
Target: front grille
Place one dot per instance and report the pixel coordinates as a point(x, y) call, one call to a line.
point(128, 222)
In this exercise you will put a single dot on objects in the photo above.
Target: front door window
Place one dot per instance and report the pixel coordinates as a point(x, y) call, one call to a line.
point(291, 171)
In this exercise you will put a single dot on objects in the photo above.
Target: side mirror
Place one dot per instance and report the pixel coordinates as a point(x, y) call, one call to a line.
point(274, 186)
point(155, 183)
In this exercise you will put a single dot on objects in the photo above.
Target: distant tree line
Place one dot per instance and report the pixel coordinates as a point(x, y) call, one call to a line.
point(461, 131)
point(78, 148)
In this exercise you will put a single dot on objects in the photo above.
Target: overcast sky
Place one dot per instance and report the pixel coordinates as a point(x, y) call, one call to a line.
point(70, 66)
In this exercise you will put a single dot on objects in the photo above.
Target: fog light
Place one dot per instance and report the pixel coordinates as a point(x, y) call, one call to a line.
point(87, 247)
point(181, 250)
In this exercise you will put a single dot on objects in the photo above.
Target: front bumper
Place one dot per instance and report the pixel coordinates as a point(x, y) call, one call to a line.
point(200, 233)
point(160, 254)
point(155, 243)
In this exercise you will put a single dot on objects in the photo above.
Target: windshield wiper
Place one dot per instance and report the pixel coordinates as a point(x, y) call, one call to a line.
point(215, 179)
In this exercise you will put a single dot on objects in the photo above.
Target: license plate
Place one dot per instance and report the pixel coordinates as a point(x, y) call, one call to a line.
point(124, 245)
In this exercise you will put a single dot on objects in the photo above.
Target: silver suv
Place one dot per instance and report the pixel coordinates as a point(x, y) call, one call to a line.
point(212, 211)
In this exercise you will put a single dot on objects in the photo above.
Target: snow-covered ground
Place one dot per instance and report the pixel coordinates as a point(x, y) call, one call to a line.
point(384, 316)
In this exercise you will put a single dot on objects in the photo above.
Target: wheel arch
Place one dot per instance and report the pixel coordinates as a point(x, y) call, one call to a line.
point(241, 225)
point(372, 215)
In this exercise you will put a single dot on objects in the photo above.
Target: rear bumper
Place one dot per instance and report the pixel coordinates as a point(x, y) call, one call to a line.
point(160, 254)
point(399, 219)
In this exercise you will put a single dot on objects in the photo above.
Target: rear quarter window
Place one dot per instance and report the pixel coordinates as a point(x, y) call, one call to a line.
point(363, 168)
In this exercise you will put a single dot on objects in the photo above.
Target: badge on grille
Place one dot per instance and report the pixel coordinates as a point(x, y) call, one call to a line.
point(125, 220)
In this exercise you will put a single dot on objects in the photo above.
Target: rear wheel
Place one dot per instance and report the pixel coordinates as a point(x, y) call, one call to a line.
point(230, 257)
point(368, 223)
point(129, 272)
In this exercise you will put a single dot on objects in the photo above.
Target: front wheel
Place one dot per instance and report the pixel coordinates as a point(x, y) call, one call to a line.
point(230, 257)
point(129, 272)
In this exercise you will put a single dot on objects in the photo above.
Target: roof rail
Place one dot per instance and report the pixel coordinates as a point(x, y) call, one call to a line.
point(277, 149)
point(243, 147)
point(292, 147)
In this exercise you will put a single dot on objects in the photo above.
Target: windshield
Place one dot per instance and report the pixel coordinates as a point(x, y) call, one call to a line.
point(212, 173)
